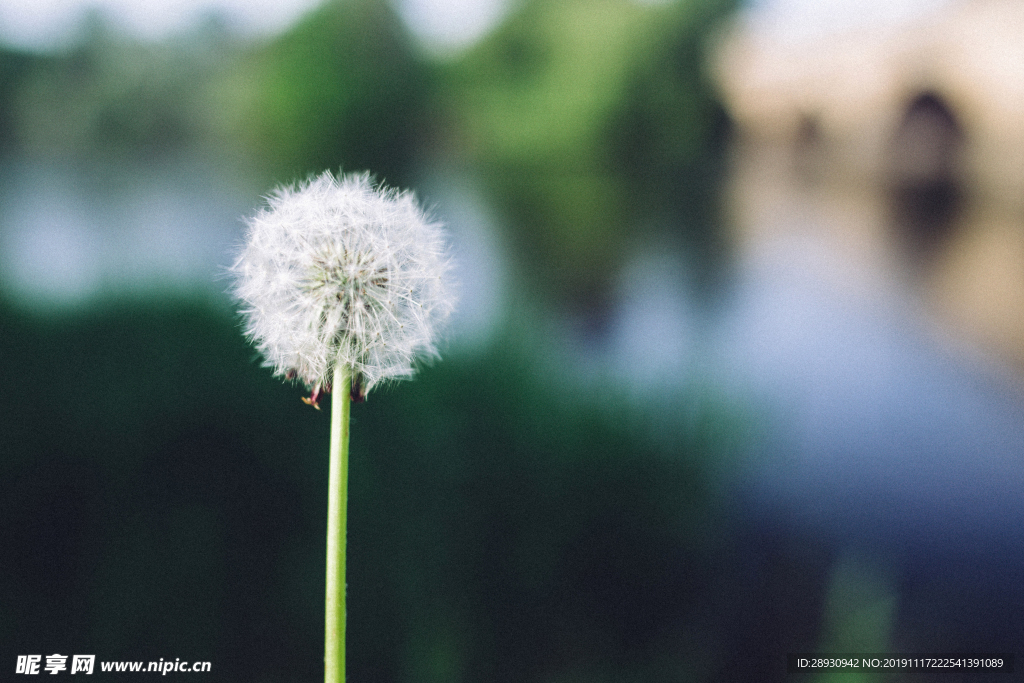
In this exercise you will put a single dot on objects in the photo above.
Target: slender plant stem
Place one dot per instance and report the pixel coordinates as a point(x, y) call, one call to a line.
point(337, 523)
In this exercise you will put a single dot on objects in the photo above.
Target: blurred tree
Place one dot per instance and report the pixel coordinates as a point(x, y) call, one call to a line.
point(14, 66)
point(590, 119)
point(112, 96)
point(340, 89)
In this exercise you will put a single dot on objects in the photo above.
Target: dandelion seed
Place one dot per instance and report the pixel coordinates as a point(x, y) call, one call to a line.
point(336, 272)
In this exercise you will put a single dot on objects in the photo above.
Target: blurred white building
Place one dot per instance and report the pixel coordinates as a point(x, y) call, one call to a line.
point(903, 143)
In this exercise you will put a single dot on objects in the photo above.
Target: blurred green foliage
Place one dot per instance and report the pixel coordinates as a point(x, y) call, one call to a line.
point(343, 88)
point(859, 613)
point(13, 67)
point(163, 495)
point(111, 96)
point(340, 89)
point(591, 121)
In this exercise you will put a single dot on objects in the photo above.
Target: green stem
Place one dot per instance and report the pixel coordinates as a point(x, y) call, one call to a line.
point(337, 522)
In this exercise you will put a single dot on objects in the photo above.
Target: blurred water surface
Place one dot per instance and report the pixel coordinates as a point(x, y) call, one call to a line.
point(74, 232)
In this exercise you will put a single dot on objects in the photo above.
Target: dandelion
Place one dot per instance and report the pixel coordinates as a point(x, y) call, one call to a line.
point(342, 285)
point(336, 272)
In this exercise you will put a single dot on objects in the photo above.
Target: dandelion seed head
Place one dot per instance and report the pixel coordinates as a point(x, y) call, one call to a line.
point(338, 271)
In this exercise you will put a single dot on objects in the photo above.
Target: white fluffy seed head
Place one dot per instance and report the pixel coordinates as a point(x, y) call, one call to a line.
point(338, 271)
